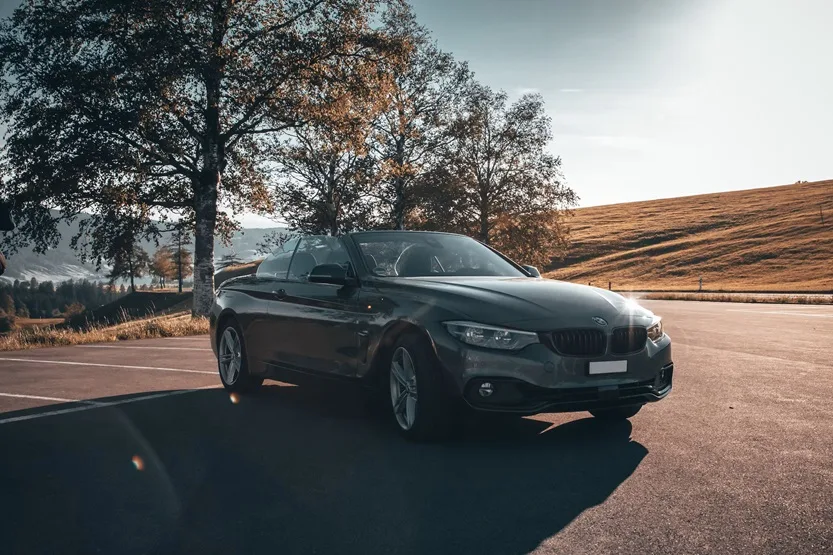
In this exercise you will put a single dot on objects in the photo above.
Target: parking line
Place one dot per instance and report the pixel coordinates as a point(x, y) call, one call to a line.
point(149, 348)
point(73, 363)
point(89, 405)
point(788, 312)
point(40, 398)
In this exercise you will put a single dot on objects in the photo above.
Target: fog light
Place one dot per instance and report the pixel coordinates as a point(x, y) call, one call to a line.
point(486, 389)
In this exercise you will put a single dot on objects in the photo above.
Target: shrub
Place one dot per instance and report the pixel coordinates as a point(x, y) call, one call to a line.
point(7, 322)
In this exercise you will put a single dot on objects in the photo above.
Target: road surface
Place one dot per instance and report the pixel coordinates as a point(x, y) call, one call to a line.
point(132, 448)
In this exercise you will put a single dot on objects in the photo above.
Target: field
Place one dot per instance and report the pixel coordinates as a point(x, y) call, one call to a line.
point(37, 322)
point(174, 325)
point(770, 239)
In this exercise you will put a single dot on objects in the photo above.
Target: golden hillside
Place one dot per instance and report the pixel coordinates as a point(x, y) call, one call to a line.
point(769, 239)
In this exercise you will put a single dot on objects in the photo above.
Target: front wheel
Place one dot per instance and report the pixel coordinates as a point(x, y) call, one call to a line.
point(618, 413)
point(421, 407)
point(233, 363)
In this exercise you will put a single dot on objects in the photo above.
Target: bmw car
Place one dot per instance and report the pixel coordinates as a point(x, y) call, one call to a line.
point(436, 322)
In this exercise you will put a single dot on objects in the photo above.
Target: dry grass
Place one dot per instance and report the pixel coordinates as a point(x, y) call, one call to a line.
point(36, 322)
point(49, 336)
point(740, 298)
point(757, 240)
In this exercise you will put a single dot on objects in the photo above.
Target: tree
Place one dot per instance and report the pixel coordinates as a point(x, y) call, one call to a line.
point(7, 303)
point(413, 129)
point(498, 182)
point(166, 105)
point(324, 181)
point(183, 264)
point(162, 265)
point(129, 260)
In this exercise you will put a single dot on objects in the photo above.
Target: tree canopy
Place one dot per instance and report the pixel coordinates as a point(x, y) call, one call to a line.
point(165, 105)
point(497, 181)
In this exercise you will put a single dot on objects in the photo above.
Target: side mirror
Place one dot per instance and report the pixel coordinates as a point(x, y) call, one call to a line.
point(6, 220)
point(334, 274)
point(532, 270)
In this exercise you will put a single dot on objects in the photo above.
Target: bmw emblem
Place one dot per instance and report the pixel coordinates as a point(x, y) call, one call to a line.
point(600, 321)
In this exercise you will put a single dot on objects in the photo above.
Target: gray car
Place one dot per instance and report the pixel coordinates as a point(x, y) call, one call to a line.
point(437, 321)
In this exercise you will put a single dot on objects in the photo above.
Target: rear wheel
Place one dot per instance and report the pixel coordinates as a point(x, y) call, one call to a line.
point(421, 408)
point(618, 413)
point(232, 362)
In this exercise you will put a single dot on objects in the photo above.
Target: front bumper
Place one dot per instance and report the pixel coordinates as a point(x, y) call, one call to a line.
point(537, 379)
point(513, 395)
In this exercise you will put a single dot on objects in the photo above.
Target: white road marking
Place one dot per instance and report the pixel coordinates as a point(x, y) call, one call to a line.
point(149, 348)
point(67, 362)
point(787, 312)
point(89, 405)
point(40, 398)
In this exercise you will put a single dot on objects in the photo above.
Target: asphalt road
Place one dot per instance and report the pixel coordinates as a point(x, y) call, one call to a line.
point(131, 448)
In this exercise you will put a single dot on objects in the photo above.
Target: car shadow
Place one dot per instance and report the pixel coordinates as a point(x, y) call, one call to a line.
point(296, 470)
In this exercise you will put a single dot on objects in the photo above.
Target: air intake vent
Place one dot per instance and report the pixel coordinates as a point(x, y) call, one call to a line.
point(579, 343)
point(628, 340)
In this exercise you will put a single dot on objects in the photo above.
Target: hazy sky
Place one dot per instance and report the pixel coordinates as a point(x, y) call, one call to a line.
point(660, 98)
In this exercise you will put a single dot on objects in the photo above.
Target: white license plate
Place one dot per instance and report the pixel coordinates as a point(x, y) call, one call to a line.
point(608, 367)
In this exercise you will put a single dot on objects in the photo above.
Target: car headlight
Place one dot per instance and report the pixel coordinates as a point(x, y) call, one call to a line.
point(655, 332)
point(490, 337)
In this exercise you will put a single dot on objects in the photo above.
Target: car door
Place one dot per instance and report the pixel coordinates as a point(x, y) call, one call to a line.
point(316, 321)
point(269, 281)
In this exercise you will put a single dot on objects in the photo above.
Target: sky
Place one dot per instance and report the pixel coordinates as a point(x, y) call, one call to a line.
point(661, 98)
point(657, 98)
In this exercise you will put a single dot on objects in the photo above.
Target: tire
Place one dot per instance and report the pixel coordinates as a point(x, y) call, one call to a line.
point(619, 413)
point(417, 400)
point(234, 371)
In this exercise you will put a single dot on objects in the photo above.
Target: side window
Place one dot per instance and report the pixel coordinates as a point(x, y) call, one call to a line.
point(277, 263)
point(316, 250)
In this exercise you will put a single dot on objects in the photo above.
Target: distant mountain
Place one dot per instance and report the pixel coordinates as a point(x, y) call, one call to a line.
point(62, 263)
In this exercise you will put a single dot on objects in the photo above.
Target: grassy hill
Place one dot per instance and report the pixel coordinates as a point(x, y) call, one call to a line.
point(769, 239)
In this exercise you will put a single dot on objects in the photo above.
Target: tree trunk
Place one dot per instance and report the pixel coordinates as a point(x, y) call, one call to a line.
point(484, 216)
point(400, 207)
point(205, 200)
point(206, 217)
point(179, 259)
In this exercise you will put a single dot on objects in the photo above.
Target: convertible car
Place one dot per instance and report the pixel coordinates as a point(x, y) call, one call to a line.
point(436, 321)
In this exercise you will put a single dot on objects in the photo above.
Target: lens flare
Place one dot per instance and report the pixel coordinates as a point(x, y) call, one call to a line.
point(138, 462)
point(234, 398)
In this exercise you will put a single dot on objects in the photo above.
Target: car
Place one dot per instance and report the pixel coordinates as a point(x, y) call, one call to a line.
point(435, 322)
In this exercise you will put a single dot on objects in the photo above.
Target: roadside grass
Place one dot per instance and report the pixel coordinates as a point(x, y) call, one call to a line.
point(177, 325)
point(36, 322)
point(740, 298)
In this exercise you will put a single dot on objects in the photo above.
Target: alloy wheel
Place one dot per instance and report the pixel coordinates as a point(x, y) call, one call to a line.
point(403, 388)
point(230, 356)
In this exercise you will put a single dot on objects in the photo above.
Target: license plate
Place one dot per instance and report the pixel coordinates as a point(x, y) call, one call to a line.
point(608, 367)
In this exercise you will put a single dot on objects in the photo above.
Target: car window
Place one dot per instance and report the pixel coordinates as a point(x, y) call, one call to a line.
point(316, 250)
point(412, 254)
point(277, 263)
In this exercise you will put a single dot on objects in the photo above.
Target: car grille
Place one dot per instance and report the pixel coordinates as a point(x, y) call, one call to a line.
point(579, 342)
point(628, 340)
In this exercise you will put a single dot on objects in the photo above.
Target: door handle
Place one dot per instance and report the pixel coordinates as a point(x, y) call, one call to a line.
point(280, 293)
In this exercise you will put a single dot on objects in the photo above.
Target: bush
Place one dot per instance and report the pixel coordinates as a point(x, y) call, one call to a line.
point(7, 322)
point(73, 310)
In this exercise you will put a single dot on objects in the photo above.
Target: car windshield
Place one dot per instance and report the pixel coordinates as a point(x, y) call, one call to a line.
point(410, 254)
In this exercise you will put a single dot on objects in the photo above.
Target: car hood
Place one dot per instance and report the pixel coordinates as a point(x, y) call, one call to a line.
point(530, 303)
